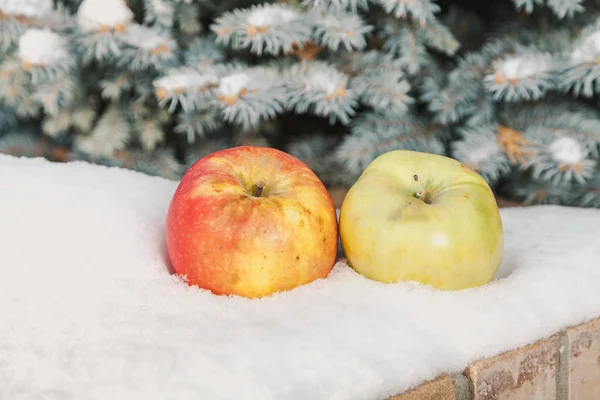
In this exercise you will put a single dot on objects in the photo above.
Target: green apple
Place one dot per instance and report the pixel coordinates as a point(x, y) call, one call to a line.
point(414, 216)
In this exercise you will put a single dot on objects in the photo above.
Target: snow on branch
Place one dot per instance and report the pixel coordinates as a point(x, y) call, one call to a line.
point(561, 8)
point(527, 75)
point(103, 15)
point(559, 139)
point(353, 5)
point(339, 28)
point(264, 28)
point(26, 8)
point(374, 134)
point(582, 72)
point(44, 54)
point(321, 89)
point(244, 95)
point(17, 16)
point(251, 95)
point(186, 87)
point(419, 10)
point(560, 158)
point(464, 95)
point(146, 48)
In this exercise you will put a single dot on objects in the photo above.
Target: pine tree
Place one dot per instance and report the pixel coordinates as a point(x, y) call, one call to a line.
point(153, 85)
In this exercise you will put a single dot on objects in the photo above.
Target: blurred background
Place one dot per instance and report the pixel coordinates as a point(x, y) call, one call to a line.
point(509, 88)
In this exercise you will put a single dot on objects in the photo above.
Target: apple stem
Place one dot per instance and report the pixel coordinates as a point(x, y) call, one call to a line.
point(423, 196)
point(258, 188)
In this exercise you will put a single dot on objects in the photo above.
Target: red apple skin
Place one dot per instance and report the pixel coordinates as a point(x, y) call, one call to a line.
point(223, 238)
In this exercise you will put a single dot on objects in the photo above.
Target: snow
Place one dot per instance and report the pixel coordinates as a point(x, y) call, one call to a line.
point(90, 310)
point(271, 15)
point(588, 49)
point(524, 66)
point(143, 37)
point(186, 78)
point(42, 47)
point(93, 14)
point(27, 8)
point(567, 150)
point(234, 84)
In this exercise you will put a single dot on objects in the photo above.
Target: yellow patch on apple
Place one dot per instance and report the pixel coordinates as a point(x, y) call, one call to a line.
point(415, 216)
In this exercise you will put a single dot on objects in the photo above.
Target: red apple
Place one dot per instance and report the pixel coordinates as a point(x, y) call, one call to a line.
point(251, 221)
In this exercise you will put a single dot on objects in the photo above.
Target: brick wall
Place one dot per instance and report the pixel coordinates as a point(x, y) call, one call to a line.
point(565, 366)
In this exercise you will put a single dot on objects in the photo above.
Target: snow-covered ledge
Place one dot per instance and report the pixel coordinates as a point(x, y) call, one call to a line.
point(89, 309)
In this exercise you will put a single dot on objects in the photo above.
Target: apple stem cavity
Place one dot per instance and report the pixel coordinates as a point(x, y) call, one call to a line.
point(424, 196)
point(258, 188)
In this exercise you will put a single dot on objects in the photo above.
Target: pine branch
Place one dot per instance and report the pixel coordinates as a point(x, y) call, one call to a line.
point(559, 158)
point(339, 28)
point(103, 16)
point(21, 144)
point(464, 92)
point(8, 120)
point(588, 195)
point(530, 192)
point(581, 74)
point(111, 133)
point(356, 63)
point(263, 29)
point(478, 149)
point(187, 87)
point(560, 139)
point(159, 14)
point(199, 123)
point(160, 162)
point(566, 8)
point(319, 88)
point(56, 95)
point(187, 18)
point(422, 11)
point(353, 5)
point(44, 55)
point(250, 96)
point(407, 44)
point(146, 49)
point(561, 8)
point(373, 134)
point(525, 75)
point(383, 90)
point(66, 121)
point(203, 52)
point(315, 150)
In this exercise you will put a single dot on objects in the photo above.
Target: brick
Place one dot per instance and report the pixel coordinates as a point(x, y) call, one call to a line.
point(526, 373)
point(441, 388)
point(584, 361)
